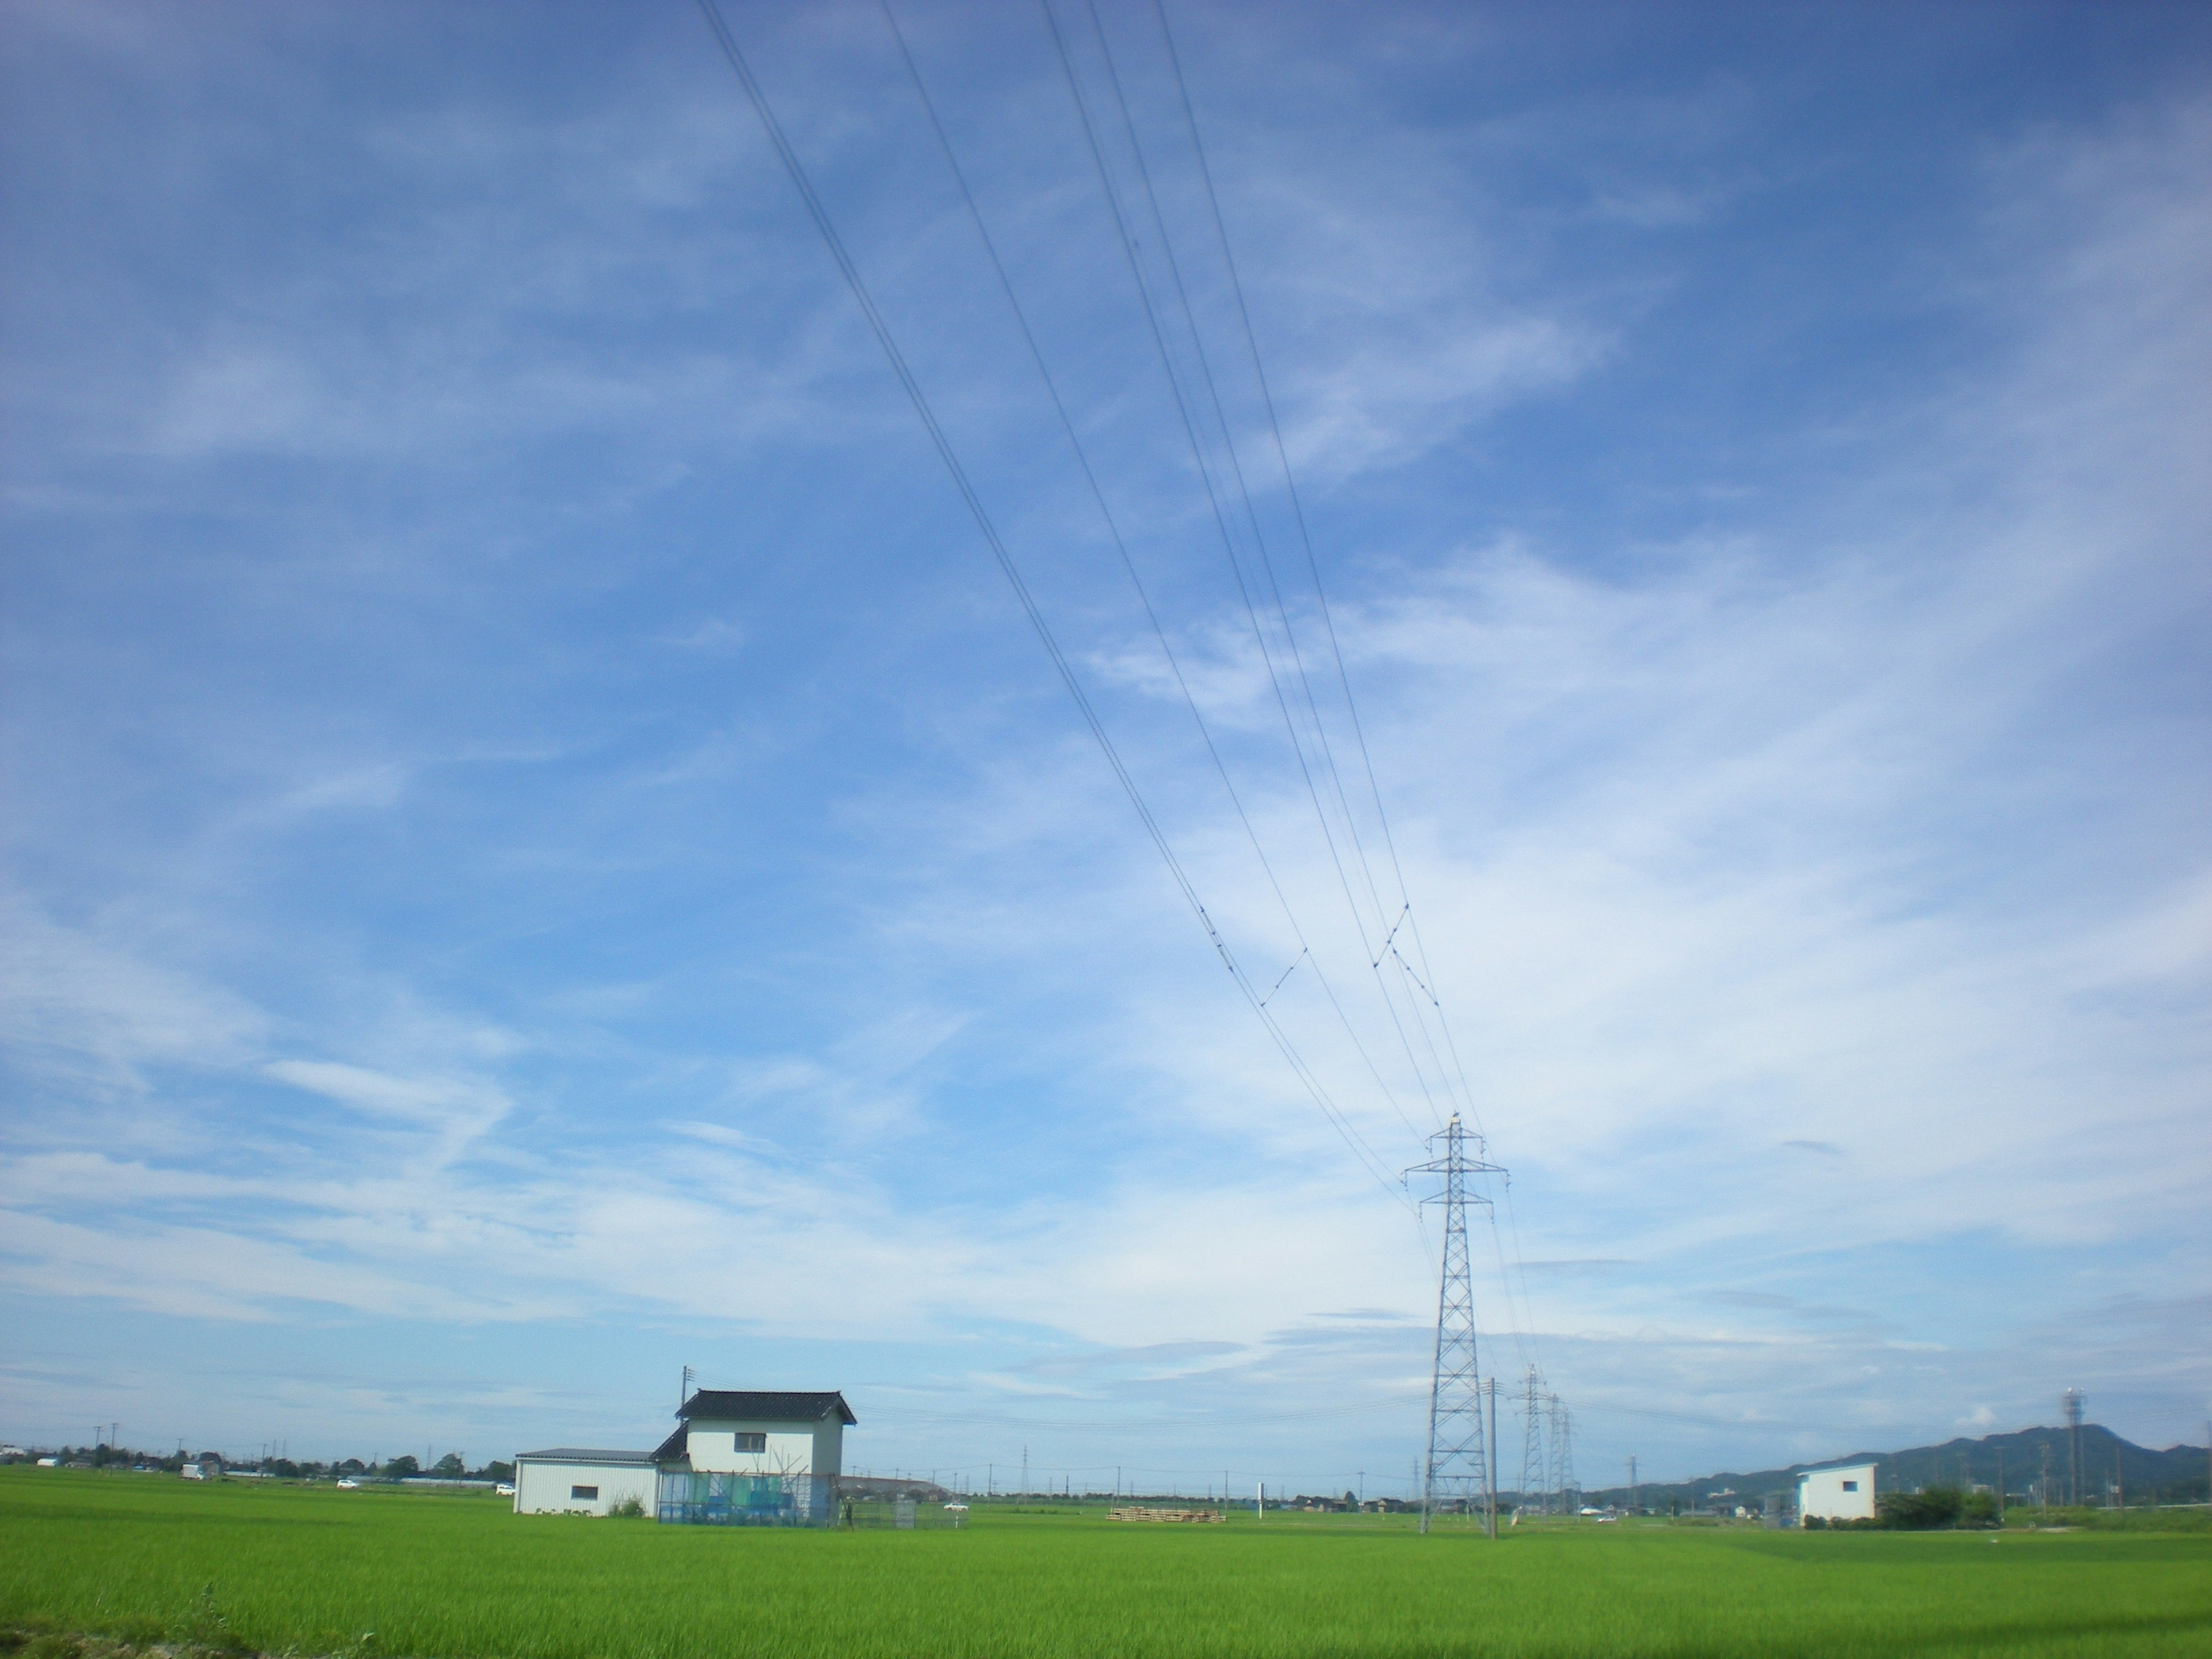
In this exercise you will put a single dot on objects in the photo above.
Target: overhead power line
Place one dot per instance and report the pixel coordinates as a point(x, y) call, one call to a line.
point(734, 55)
point(1122, 549)
point(1388, 962)
point(1127, 239)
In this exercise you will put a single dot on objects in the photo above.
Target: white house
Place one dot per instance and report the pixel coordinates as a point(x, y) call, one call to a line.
point(737, 1457)
point(578, 1481)
point(738, 1431)
point(743, 1457)
point(1843, 1491)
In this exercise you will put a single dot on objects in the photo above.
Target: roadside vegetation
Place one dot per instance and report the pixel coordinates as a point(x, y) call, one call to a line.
point(96, 1566)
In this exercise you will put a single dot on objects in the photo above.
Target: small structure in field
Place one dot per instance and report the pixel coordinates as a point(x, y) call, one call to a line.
point(583, 1480)
point(737, 1457)
point(1842, 1492)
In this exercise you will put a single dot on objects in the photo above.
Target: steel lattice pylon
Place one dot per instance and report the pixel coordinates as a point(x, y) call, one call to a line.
point(1534, 1467)
point(1458, 1466)
point(1565, 1487)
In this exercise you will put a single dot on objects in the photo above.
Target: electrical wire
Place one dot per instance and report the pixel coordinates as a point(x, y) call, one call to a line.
point(1122, 549)
point(1127, 242)
point(1305, 537)
point(888, 342)
point(1427, 976)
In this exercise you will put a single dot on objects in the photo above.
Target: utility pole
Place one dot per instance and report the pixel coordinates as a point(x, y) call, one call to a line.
point(1459, 1455)
point(2000, 1485)
point(683, 1389)
point(1631, 1483)
point(1489, 1464)
point(1025, 1470)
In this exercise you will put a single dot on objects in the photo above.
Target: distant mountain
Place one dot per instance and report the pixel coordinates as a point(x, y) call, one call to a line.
point(2179, 1474)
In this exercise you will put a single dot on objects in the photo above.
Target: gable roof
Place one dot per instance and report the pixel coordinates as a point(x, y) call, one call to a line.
point(775, 1407)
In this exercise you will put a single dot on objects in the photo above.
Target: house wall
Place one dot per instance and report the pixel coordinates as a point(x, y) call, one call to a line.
point(792, 1447)
point(830, 1445)
point(545, 1488)
point(1822, 1492)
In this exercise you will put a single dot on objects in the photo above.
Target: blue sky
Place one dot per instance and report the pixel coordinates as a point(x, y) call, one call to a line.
point(541, 848)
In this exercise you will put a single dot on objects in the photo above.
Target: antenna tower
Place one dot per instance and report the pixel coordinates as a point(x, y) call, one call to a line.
point(1532, 1442)
point(1458, 1466)
point(2072, 1400)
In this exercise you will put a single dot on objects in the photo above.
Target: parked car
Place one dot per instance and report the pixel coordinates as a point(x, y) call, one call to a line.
point(504, 1490)
point(349, 1484)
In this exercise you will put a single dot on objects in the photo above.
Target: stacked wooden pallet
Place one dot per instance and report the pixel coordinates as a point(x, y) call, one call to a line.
point(1133, 1513)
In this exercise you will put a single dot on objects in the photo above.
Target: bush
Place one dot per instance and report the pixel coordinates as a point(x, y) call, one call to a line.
point(1926, 1511)
point(628, 1509)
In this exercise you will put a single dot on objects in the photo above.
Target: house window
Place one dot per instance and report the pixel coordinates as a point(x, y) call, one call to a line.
point(752, 1443)
point(1851, 1485)
point(584, 1494)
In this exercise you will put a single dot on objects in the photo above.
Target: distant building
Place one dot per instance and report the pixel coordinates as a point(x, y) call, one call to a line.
point(1843, 1491)
point(737, 1457)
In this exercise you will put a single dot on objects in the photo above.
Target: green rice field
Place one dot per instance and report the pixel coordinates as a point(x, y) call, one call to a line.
point(317, 1571)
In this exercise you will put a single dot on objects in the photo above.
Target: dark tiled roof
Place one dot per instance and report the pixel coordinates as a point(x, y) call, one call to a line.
point(669, 1451)
point(774, 1408)
point(584, 1454)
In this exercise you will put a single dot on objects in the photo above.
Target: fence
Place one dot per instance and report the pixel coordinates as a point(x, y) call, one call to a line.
point(696, 1498)
point(899, 1514)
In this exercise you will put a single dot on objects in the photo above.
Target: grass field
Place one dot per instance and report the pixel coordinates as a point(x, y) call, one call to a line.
point(315, 1570)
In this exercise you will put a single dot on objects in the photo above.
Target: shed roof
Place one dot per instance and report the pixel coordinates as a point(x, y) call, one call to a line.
point(775, 1407)
point(1837, 1468)
point(583, 1455)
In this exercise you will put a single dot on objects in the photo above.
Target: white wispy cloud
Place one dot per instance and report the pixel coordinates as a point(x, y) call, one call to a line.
point(1812, 879)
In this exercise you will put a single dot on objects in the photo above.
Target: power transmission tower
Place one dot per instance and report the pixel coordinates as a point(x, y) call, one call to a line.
point(1532, 1441)
point(1564, 1486)
point(1458, 1463)
point(2072, 1400)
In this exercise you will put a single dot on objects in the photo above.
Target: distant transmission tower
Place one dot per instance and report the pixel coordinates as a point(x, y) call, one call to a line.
point(1458, 1462)
point(2072, 1400)
point(1566, 1492)
point(1532, 1442)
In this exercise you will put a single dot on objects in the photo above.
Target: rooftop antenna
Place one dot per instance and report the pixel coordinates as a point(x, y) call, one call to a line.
point(2072, 1401)
point(1459, 1455)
